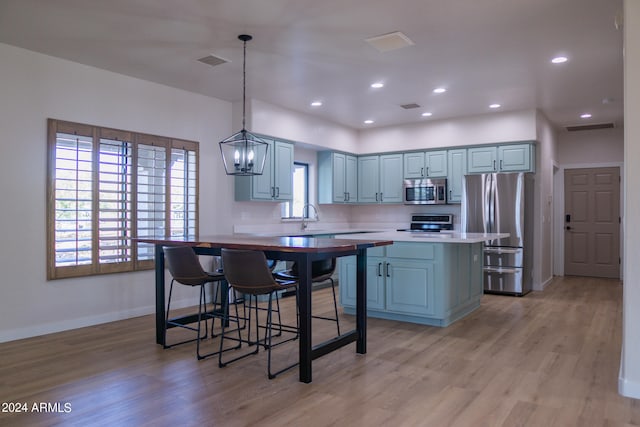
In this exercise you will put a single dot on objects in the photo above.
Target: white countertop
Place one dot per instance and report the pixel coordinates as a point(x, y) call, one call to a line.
point(419, 236)
point(315, 232)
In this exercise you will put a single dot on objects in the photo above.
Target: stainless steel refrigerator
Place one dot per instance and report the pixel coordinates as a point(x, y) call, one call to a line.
point(502, 203)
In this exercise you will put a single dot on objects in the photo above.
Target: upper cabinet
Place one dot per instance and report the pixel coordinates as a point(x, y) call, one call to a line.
point(276, 181)
point(501, 158)
point(425, 164)
point(337, 177)
point(344, 178)
point(457, 167)
point(380, 178)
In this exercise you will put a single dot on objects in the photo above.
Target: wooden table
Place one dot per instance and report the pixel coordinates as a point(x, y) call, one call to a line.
point(303, 250)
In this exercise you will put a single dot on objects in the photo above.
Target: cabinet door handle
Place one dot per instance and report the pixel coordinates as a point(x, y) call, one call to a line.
point(387, 265)
point(273, 192)
point(376, 197)
point(494, 165)
point(421, 171)
point(345, 197)
point(380, 196)
point(379, 269)
point(277, 192)
point(427, 170)
point(500, 164)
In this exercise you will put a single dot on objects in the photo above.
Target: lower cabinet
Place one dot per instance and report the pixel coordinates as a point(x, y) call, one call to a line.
point(428, 283)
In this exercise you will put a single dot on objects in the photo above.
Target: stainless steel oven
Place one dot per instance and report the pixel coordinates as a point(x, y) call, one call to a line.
point(425, 191)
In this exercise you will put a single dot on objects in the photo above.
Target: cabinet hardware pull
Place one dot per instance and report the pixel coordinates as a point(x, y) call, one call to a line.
point(379, 268)
point(427, 170)
point(421, 171)
point(278, 192)
point(387, 269)
point(376, 197)
point(345, 196)
point(494, 165)
point(500, 164)
point(273, 192)
point(380, 196)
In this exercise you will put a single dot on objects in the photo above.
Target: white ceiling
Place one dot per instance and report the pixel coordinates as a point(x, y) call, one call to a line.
point(482, 51)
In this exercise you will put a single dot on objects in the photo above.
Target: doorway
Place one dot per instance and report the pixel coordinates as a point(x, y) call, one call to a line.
point(592, 222)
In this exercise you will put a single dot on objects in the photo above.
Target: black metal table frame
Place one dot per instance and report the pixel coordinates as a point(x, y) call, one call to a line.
point(307, 352)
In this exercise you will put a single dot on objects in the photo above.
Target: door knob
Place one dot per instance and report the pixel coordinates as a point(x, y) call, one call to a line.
point(568, 228)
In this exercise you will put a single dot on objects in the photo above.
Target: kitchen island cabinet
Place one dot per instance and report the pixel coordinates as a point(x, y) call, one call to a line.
point(431, 279)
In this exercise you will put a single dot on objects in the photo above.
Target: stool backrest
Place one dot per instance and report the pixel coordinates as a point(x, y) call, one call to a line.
point(184, 265)
point(247, 271)
point(318, 268)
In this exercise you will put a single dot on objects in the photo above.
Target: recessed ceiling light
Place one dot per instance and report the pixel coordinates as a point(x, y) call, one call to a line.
point(377, 85)
point(368, 122)
point(439, 90)
point(585, 116)
point(495, 106)
point(559, 59)
point(427, 114)
point(316, 103)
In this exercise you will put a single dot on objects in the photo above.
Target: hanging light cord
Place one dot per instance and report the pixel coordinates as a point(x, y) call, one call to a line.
point(244, 83)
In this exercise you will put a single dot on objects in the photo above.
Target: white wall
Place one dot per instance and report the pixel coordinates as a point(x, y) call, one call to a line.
point(588, 147)
point(484, 129)
point(270, 119)
point(543, 206)
point(35, 87)
point(629, 379)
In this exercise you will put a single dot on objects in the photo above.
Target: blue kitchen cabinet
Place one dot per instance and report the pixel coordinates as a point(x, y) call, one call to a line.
point(410, 286)
point(427, 283)
point(501, 158)
point(375, 282)
point(380, 178)
point(457, 168)
point(337, 177)
point(276, 181)
point(425, 164)
point(515, 158)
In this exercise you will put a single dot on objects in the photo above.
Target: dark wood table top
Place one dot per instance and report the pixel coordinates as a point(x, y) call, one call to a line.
point(282, 244)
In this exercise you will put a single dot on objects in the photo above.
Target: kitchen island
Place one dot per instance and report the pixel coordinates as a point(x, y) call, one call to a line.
point(427, 278)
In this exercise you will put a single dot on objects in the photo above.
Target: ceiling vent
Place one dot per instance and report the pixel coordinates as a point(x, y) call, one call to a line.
point(391, 41)
point(410, 106)
point(590, 127)
point(213, 60)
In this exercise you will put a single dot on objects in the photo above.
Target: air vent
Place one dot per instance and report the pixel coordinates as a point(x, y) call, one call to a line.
point(410, 106)
point(212, 60)
point(391, 41)
point(590, 127)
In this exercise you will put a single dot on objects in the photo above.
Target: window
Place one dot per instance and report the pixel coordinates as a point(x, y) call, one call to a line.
point(106, 187)
point(300, 192)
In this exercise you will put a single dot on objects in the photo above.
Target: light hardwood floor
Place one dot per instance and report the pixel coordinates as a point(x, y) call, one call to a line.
point(548, 359)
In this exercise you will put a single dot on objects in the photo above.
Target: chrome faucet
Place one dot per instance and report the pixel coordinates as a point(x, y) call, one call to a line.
point(305, 222)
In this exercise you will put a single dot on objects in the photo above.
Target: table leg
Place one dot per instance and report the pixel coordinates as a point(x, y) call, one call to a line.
point(304, 307)
point(160, 313)
point(361, 301)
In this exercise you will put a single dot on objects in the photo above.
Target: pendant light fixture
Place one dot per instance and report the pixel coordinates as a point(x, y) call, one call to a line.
point(243, 153)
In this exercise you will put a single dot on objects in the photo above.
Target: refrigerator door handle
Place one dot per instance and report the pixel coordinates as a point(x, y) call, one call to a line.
point(501, 270)
point(502, 250)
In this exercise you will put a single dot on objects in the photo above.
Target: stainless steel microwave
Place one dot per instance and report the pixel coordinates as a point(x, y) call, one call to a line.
point(425, 191)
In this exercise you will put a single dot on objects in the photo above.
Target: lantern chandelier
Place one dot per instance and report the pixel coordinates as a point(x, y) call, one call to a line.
point(243, 153)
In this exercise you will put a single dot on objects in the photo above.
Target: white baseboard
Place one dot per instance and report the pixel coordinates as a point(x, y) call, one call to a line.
point(66, 325)
point(628, 389)
point(543, 285)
